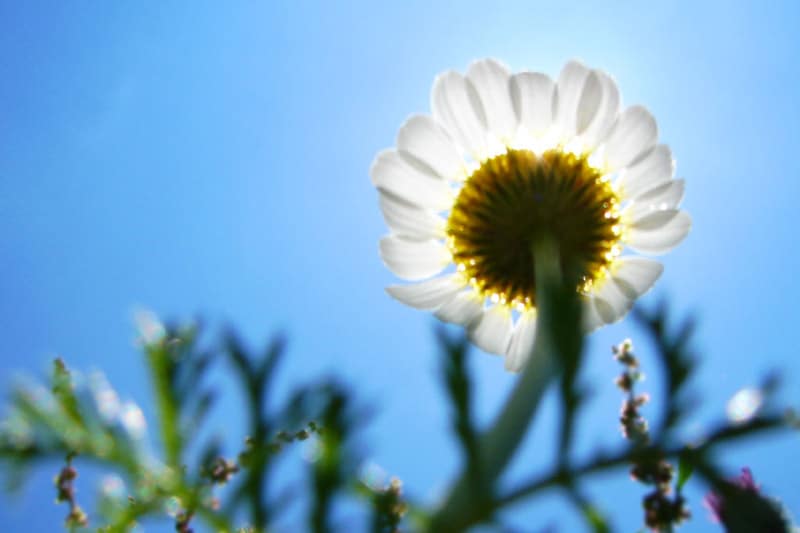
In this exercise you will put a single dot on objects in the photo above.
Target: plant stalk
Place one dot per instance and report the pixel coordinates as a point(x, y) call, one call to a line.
point(467, 504)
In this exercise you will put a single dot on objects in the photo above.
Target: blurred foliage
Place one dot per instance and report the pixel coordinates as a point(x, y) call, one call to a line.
point(78, 419)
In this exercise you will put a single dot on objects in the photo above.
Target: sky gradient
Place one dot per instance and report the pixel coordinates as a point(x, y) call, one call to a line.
point(209, 161)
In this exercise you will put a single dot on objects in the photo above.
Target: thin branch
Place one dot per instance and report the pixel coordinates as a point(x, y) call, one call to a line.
point(603, 462)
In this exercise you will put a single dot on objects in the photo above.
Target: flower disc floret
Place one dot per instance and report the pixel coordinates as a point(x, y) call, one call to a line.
point(516, 198)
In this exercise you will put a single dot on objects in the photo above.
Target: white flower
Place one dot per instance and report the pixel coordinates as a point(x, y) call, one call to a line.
point(505, 158)
point(150, 328)
point(105, 398)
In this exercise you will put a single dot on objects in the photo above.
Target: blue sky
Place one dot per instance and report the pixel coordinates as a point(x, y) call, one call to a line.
point(212, 161)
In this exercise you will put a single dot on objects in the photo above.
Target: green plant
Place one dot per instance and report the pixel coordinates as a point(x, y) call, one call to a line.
point(85, 422)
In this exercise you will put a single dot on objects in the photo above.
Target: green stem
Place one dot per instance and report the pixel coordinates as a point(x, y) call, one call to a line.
point(627, 455)
point(166, 403)
point(467, 504)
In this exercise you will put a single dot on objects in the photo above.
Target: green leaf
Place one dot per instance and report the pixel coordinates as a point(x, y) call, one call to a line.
point(63, 390)
point(595, 519)
point(685, 469)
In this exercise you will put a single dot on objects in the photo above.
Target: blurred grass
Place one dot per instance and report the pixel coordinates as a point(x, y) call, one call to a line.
point(70, 418)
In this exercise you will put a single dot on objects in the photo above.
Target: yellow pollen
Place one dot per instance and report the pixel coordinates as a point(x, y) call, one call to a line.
point(517, 197)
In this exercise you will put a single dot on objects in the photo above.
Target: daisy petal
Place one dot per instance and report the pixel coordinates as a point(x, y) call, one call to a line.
point(428, 294)
point(426, 141)
point(463, 309)
point(413, 260)
point(654, 221)
point(410, 221)
point(611, 303)
point(665, 196)
point(598, 108)
point(591, 318)
point(532, 94)
point(491, 80)
point(654, 169)
point(521, 345)
point(456, 105)
point(391, 173)
point(635, 276)
point(570, 88)
point(633, 135)
point(659, 232)
point(492, 332)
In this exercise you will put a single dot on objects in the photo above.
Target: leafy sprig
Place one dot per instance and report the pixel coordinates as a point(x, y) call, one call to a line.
point(84, 421)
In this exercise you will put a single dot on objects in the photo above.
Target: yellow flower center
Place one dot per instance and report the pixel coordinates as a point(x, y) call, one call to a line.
point(516, 198)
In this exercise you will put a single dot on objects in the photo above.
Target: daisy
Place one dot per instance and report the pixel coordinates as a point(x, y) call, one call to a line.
point(505, 159)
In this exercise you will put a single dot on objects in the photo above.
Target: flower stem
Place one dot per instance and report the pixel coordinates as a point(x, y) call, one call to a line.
point(159, 363)
point(467, 503)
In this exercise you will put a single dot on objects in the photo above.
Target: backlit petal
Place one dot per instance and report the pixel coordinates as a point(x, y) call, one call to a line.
point(598, 108)
point(634, 133)
point(456, 105)
point(393, 174)
point(660, 232)
point(611, 303)
point(571, 82)
point(429, 294)
point(410, 221)
point(491, 80)
point(492, 332)
point(635, 276)
point(665, 196)
point(521, 345)
point(463, 309)
point(413, 260)
point(533, 94)
point(591, 318)
point(654, 169)
point(424, 139)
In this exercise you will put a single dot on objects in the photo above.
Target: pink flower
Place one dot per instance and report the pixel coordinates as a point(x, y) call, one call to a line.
point(714, 502)
point(741, 507)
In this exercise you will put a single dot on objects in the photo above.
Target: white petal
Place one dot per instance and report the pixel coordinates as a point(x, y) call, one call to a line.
point(428, 294)
point(393, 174)
point(521, 345)
point(409, 221)
point(456, 105)
point(464, 309)
point(598, 108)
point(491, 80)
point(591, 318)
point(635, 276)
point(532, 94)
point(654, 221)
point(570, 88)
point(425, 140)
point(665, 196)
point(413, 260)
point(660, 232)
point(611, 303)
point(654, 169)
point(633, 135)
point(492, 332)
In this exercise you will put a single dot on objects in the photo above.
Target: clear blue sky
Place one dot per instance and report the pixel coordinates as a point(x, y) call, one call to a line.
point(201, 159)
